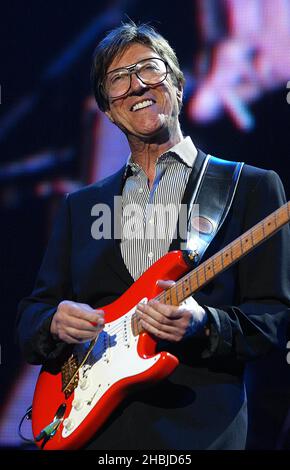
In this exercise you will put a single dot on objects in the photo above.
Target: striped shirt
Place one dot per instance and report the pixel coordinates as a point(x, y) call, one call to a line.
point(149, 217)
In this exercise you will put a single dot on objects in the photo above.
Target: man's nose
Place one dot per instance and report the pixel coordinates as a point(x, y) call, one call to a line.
point(136, 83)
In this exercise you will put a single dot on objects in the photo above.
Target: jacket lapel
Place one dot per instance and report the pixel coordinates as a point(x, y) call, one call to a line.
point(110, 190)
point(191, 184)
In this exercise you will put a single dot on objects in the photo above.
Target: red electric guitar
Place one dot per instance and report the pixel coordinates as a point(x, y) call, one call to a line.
point(73, 401)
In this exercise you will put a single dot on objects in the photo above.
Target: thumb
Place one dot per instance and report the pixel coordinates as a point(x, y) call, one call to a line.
point(165, 284)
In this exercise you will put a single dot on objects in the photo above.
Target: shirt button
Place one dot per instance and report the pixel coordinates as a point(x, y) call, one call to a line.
point(140, 190)
point(150, 255)
point(151, 221)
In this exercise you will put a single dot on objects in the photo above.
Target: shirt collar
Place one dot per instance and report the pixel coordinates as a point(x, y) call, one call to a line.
point(185, 150)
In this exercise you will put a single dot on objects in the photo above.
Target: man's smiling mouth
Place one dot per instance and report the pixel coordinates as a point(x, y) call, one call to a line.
point(142, 105)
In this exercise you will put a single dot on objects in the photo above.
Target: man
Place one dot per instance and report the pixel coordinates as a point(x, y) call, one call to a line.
point(235, 318)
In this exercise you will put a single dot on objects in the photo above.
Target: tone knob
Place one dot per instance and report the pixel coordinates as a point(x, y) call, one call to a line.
point(68, 424)
point(77, 404)
point(84, 384)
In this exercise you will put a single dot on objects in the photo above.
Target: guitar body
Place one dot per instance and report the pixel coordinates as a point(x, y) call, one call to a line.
point(119, 362)
point(75, 397)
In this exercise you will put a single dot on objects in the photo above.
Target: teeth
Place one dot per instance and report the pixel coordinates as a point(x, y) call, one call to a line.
point(144, 104)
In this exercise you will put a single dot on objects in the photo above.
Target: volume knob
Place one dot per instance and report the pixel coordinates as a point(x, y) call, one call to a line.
point(84, 384)
point(68, 424)
point(77, 404)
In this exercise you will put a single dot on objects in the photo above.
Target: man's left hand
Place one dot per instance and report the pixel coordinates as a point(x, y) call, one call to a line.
point(169, 322)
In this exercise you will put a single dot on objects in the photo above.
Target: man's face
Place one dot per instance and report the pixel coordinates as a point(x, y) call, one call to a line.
point(162, 112)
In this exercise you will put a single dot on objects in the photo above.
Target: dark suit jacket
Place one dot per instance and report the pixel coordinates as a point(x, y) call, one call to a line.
point(202, 405)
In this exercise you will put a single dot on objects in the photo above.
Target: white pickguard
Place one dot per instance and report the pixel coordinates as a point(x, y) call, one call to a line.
point(114, 357)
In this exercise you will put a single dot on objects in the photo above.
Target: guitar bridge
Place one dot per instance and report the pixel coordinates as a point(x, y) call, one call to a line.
point(70, 375)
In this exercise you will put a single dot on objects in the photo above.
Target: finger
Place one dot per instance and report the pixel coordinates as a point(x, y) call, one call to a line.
point(69, 339)
point(172, 336)
point(159, 323)
point(165, 284)
point(88, 315)
point(81, 335)
point(79, 324)
point(100, 318)
point(90, 310)
point(145, 311)
point(165, 313)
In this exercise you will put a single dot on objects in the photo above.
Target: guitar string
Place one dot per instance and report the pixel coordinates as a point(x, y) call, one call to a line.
point(200, 271)
point(99, 352)
point(236, 250)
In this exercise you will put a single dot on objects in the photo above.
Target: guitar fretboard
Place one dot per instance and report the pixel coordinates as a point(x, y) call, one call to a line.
point(223, 259)
point(230, 254)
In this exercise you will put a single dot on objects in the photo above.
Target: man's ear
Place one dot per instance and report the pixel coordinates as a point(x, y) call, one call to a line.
point(179, 94)
point(109, 115)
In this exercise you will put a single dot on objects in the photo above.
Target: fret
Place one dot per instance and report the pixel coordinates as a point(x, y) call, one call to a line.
point(246, 242)
point(196, 285)
point(263, 227)
point(222, 261)
point(186, 286)
point(196, 280)
point(182, 289)
point(217, 263)
point(190, 277)
point(275, 220)
point(258, 234)
point(179, 292)
point(227, 257)
point(241, 245)
point(200, 275)
point(162, 297)
point(168, 297)
point(204, 270)
point(252, 238)
point(209, 270)
point(282, 217)
point(228, 253)
point(269, 226)
point(236, 250)
point(174, 297)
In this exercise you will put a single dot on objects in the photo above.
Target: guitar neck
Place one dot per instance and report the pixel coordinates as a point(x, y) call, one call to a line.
point(230, 254)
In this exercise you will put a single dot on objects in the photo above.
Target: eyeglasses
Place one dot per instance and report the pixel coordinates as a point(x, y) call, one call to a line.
point(150, 71)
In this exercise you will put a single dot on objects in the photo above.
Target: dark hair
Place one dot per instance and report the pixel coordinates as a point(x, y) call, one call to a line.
point(116, 42)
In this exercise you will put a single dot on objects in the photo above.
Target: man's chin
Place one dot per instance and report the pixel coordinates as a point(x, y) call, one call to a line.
point(154, 135)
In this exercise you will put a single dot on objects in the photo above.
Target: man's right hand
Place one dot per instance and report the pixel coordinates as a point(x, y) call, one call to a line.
point(76, 323)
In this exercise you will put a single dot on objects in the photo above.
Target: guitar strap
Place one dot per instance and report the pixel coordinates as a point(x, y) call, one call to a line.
point(210, 203)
